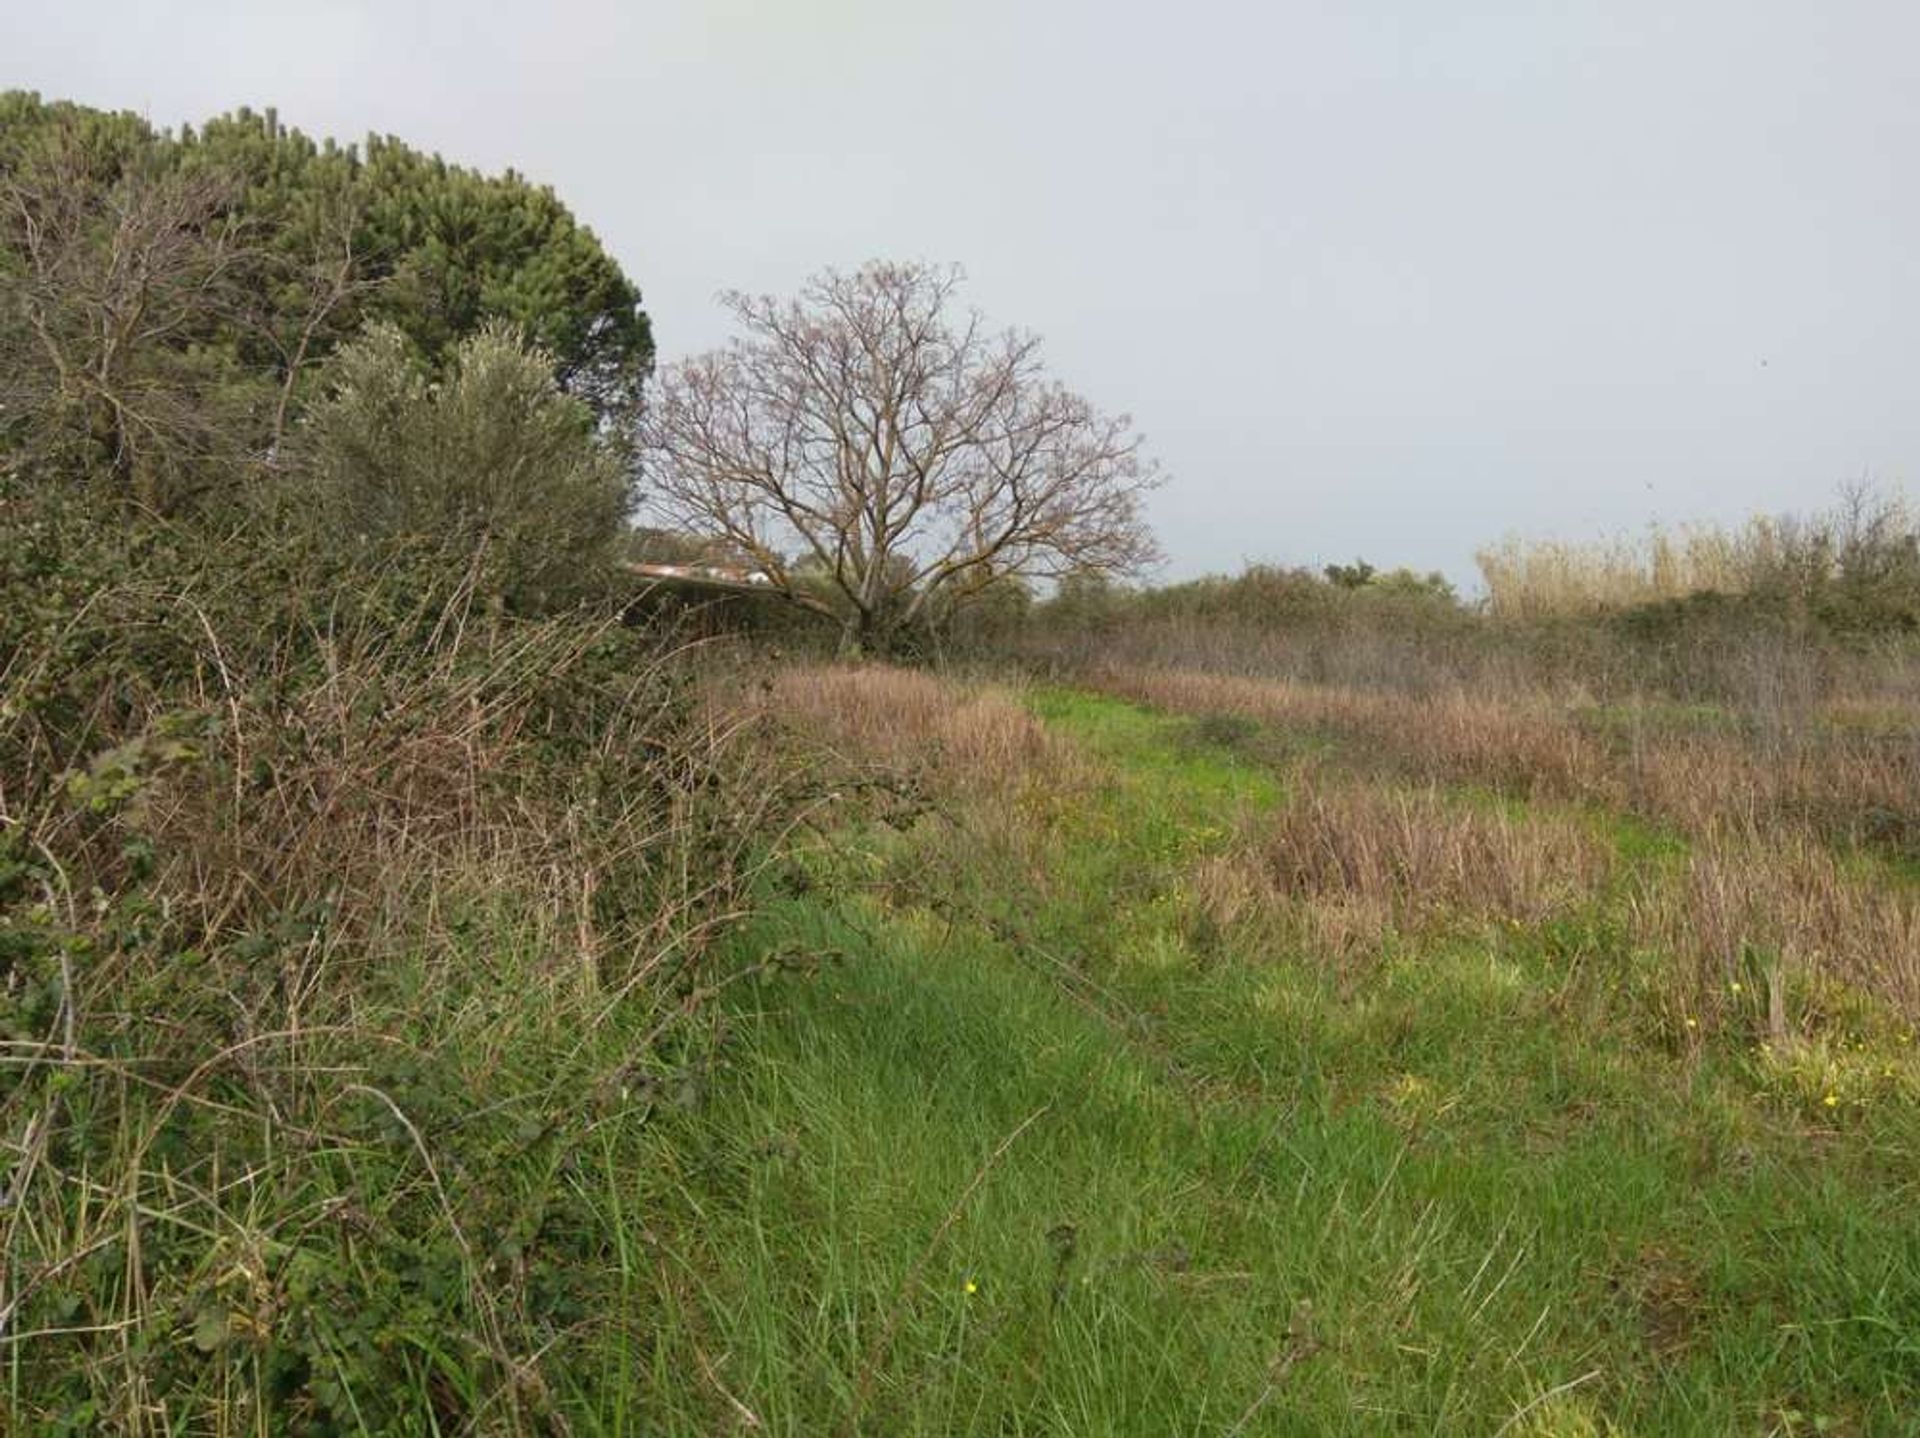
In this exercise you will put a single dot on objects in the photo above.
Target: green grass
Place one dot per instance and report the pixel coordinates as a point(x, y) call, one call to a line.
point(1034, 1152)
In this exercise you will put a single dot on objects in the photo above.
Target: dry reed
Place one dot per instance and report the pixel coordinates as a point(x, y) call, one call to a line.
point(1353, 861)
point(1541, 578)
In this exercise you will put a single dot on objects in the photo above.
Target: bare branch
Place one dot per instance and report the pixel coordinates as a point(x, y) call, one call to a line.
point(909, 458)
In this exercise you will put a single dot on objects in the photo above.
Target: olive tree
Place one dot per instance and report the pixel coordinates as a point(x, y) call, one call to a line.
point(490, 458)
point(877, 454)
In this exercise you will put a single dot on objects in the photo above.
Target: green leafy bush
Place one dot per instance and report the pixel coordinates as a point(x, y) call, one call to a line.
point(491, 459)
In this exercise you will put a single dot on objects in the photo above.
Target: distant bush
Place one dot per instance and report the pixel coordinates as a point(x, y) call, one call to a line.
point(1767, 619)
point(1852, 569)
point(1392, 628)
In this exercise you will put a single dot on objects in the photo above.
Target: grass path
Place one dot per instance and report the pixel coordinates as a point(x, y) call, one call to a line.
point(1023, 1147)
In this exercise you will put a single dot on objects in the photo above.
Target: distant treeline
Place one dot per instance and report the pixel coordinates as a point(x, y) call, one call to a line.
point(1845, 579)
point(1810, 603)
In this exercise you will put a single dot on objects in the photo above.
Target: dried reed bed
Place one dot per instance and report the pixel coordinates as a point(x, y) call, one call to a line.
point(1531, 579)
point(968, 736)
point(1422, 854)
point(1866, 536)
point(1840, 782)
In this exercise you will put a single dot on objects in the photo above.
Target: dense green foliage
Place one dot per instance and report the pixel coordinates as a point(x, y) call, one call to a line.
point(359, 863)
point(490, 459)
point(168, 296)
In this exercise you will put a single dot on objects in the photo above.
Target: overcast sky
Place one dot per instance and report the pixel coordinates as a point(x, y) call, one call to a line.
point(1385, 278)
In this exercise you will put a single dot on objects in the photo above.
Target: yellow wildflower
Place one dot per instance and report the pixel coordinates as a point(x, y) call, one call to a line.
point(972, 1287)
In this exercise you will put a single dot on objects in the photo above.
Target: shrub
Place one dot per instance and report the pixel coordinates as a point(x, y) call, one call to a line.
point(345, 927)
point(492, 458)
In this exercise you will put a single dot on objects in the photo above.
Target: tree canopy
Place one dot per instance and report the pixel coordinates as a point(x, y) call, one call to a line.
point(166, 291)
point(490, 461)
point(873, 451)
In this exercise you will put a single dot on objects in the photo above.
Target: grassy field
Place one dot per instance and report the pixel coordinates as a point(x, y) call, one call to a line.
point(1128, 1070)
point(471, 967)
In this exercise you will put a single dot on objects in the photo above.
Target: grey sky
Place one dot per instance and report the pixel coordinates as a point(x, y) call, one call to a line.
point(1386, 279)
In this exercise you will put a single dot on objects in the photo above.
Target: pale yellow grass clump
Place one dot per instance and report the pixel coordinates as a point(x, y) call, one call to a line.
point(1542, 578)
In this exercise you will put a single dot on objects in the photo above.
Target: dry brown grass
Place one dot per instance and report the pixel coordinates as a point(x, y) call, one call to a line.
point(1745, 915)
point(1354, 861)
point(1456, 736)
point(1735, 927)
point(1349, 861)
point(969, 737)
point(1837, 780)
point(1762, 885)
point(1852, 788)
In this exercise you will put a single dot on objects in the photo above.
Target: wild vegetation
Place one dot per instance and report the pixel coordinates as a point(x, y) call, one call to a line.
point(1163, 1071)
point(361, 869)
point(172, 295)
point(341, 918)
point(441, 994)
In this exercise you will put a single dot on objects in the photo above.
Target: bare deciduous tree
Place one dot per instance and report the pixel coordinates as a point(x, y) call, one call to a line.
point(876, 456)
